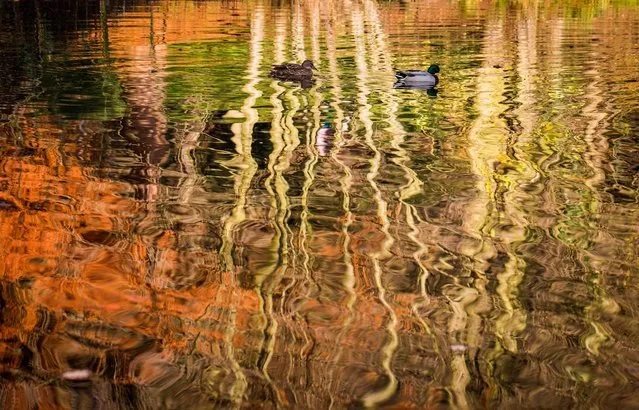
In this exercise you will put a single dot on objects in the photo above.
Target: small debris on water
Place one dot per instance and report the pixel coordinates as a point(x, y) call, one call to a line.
point(81, 374)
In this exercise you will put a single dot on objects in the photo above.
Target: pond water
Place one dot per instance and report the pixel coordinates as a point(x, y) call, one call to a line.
point(178, 230)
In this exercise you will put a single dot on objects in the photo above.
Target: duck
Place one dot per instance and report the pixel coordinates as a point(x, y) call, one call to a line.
point(417, 78)
point(324, 140)
point(293, 71)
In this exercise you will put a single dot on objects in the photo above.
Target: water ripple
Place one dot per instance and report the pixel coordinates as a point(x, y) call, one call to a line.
point(179, 229)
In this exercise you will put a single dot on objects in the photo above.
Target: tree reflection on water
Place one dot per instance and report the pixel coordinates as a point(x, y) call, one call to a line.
point(179, 229)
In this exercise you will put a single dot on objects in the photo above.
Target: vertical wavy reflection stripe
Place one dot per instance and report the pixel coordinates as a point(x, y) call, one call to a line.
point(486, 146)
point(292, 141)
point(298, 31)
point(243, 142)
point(277, 188)
point(388, 350)
point(145, 93)
point(247, 168)
point(311, 152)
point(279, 43)
point(345, 181)
point(315, 31)
point(595, 157)
point(306, 231)
point(289, 144)
point(240, 384)
point(263, 277)
point(512, 318)
point(413, 186)
point(188, 138)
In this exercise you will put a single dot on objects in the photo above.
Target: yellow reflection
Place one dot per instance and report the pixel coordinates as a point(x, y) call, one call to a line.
point(243, 139)
point(383, 63)
point(306, 231)
point(298, 32)
point(238, 388)
point(246, 165)
point(487, 140)
point(277, 187)
point(345, 181)
point(388, 350)
point(311, 136)
point(295, 102)
point(512, 319)
point(595, 158)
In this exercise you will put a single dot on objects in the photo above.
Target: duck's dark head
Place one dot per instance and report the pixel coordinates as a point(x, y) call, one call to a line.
point(433, 69)
point(308, 64)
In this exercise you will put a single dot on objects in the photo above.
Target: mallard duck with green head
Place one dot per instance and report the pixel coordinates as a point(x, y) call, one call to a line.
point(418, 78)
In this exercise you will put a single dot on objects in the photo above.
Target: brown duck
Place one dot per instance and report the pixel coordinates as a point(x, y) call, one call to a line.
point(301, 73)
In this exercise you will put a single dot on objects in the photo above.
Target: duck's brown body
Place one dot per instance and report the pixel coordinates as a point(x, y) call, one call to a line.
point(293, 72)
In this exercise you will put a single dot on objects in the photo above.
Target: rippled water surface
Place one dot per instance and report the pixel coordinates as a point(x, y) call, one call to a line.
point(178, 230)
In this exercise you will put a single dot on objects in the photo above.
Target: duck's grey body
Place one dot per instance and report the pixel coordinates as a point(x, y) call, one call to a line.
point(418, 78)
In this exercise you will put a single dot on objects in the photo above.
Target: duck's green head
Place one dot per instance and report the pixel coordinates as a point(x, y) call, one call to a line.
point(433, 69)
